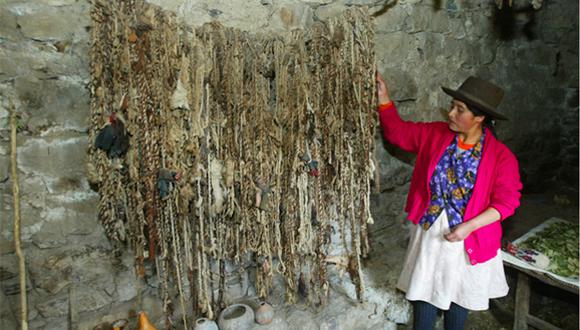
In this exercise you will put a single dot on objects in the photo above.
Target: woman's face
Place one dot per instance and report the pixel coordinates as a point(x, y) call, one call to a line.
point(461, 119)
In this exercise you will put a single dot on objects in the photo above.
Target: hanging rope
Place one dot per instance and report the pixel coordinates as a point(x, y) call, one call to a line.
point(218, 147)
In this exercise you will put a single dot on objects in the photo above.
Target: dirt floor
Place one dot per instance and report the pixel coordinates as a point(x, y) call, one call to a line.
point(551, 304)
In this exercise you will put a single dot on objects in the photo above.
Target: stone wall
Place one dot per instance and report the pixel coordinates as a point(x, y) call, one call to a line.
point(420, 44)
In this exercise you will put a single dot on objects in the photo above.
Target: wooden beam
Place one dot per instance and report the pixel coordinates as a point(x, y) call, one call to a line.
point(541, 324)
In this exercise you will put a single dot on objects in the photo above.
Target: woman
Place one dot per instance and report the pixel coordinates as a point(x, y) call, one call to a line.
point(465, 182)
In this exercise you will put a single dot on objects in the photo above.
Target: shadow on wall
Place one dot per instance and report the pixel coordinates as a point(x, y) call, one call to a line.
point(388, 5)
point(510, 23)
point(404, 156)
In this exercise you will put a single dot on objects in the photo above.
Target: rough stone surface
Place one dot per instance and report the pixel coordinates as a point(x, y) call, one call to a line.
point(62, 100)
point(126, 288)
point(67, 156)
point(38, 22)
point(251, 15)
point(8, 25)
point(4, 168)
point(331, 10)
point(87, 299)
point(7, 316)
point(291, 17)
point(420, 46)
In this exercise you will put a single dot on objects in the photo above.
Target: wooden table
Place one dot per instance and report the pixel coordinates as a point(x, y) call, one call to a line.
point(522, 316)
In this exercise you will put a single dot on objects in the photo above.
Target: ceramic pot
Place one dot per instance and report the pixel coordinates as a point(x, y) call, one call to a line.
point(264, 313)
point(205, 324)
point(236, 317)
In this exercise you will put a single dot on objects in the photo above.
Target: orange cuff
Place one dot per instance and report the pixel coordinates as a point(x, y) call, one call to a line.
point(385, 106)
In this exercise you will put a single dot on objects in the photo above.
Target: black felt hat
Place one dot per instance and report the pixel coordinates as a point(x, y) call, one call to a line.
point(480, 94)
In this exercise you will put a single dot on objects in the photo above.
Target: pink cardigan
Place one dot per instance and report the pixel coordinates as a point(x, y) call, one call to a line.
point(497, 184)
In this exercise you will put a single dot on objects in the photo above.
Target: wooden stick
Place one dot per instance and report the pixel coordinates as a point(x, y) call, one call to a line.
point(16, 201)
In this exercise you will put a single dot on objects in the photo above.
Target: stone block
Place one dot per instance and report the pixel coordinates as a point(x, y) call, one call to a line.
point(431, 46)
point(50, 271)
point(33, 191)
point(87, 299)
point(394, 172)
point(368, 3)
point(246, 15)
point(476, 6)
point(404, 85)
point(62, 101)
point(328, 11)
point(60, 222)
point(6, 240)
point(409, 2)
point(427, 18)
point(58, 3)
point(39, 323)
point(7, 315)
point(71, 190)
point(560, 17)
point(8, 69)
point(118, 311)
point(29, 222)
point(392, 20)
point(316, 2)
point(11, 284)
point(457, 28)
point(301, 320)
point(51, 23)
point(5, 168)
point(42, 60)
point(477, 25)
point(55, 306)
point(126, 286)
point(171, 5)
point(96, 239)
point(289, 17)
point(8, 267)
point(391, 46)
point(67, 154)
point(278, 323)
point(53, 270)
point(8, 25)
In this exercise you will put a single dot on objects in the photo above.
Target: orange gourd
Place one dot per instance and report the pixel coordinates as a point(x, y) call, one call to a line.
point(144, 323)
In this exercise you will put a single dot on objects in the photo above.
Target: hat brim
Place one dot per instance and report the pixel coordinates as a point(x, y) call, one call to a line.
point(470, 100)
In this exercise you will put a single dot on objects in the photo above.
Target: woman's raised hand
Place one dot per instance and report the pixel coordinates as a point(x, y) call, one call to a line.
point(382, 91)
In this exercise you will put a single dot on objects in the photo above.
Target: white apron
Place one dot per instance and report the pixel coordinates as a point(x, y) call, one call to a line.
point(438, 271)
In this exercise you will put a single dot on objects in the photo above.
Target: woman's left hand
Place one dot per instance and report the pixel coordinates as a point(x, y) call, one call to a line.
point(459, 233)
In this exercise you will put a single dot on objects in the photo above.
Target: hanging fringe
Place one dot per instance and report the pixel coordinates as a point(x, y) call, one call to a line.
point(239, 145)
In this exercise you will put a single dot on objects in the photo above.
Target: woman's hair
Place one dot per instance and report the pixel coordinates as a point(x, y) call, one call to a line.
point(488, 122)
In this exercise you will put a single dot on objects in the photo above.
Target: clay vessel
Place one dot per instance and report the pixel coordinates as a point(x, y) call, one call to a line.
point(205, 324)
point(264, 313)
point(236, 317)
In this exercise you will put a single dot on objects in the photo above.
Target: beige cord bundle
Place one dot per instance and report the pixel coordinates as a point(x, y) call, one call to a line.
point(271, 137)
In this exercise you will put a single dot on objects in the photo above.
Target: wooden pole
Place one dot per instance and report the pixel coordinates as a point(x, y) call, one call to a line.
point(16, 215)
point(522, 307)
